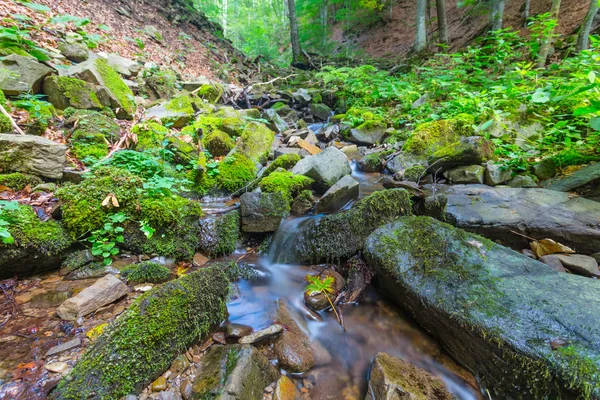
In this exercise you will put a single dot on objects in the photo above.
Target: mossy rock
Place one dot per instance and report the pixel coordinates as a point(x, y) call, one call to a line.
point(525, 330)
point(255, 142)
point(285, 183)
point(158, 84)
point(141, 344)
point(180, 151)
point(374, 162)
point(120, 95)
point(218, 143)
point(211, 92)
point(285, 161)
point(64, 92)
point(235, 172)
point(89, 148)
point(92, 122)
point(17, 181)
point(5, 124)
point(338, 236)
point(37, 246)
point(150, 135)
point(432, 136)
point(219, 236)
point(146, 272)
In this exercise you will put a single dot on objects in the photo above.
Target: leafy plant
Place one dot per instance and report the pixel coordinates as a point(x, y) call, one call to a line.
point(5, 234)
point(16, 39)
point(324, 286)
point(105, 241)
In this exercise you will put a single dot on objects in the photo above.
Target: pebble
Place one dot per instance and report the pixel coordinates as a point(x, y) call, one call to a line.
point(64, 347)
point(58, 367)
point(159, 385)
point(142, 288)
point(263, 334)
point(199, 260)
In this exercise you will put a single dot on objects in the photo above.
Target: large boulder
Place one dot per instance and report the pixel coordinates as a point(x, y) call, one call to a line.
point(237, 372)
point(113, 90)
point(32, 155)
point(524, 329)
point(142, 343)
point(255, 142)
point(341, 235)
point(19, 74)
point(64, 91)
point(368, 133)
point(263, 212)
point(472, 150)
point(586, 182)
point(219, 235)
point(430, 137)
point(326, 168)
point(539, 213)
point(392, 378)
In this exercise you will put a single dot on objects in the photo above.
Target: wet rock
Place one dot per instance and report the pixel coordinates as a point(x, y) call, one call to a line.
point(219, 236)
point(22, 75)
point(579, 264)
point(293, 348)
point(496, 174)
point(142, 343)
point(326, 168)
point(285, 389)
point(262, 212)
point(93, 270)
point(49, 299)
point(179, 365)
point(553, 262)
point(403, 161)
point(584, 182)
point(159, 384)
point(74, 52)
point(276, 123)
point(103, 292)
point(539, 213)
point(57, 367)
point(341, 235)
point(318, 301)
point(472, 150)
point(303, 203)
point(236, 331)
point(237, 372)
point(71, 344)
point(320, 111)
point(468, 174)
point(75, 261)
point(545, 169)
point(345, 190)
point(32, 155)
point(392, 378)
point(489, 306)
point(263, 334)
point(522, 181)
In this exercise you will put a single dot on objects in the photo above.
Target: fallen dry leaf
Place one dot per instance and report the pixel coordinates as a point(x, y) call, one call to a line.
point(546, 247)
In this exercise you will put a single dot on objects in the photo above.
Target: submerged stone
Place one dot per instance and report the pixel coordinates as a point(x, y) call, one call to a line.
point(495, 310)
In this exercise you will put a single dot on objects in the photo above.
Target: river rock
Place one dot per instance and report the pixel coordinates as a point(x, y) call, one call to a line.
point(218, 236)
point(57, 367)
point(293, 349)
point(341, 235)
point(318, 301)
point(34, 155)
point(345, 190)
point(368, 133)
point(101, 293)
point(320, 111)
point(262, 212)
point(236, 331)
point(328, 133)
point(545, 169)
point(276, 123)
point(302, 204)
point(263, 334)
point(584, 181)
point(237, 372)
point(326, 168)
point(553, 262)
point(403, 161)
point(22, 74)
point(467, 151)
point(496, 174)
point(71, 344)
point(468, 174)
point(579, 264)
point(74, 52)
point(538, 213)
point(143, 342)
point(392, 378)
point(495, 310)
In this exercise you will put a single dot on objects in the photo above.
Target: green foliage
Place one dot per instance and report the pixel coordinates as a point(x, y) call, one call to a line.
point(235, 172)
point(5, 207)
point(146, 272)
point(17, 181)
point(150, 135)
point(141, 164)
point(105, 240)
point(286, 183)
point(17, 40)
point(40, 112)
point(316, 285)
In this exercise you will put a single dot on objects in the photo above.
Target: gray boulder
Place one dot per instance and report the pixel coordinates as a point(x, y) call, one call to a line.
point(326, 168)
point(580, 264)
point(584, 181)
point(262, 212)
point(276, 123)
point(522, 181)
point(64, 92)
point(21, 74)
point(496, 174)
point(126, 67)
point(467, 174)
point(498, 212)
point(236, 372)
point(338, 195)
point(32, 155)
point(320, 111)
point(392, 378)
point(74, 52)
point(403, 161)
point(525, 330)
point(368, 133)
point(469, 150)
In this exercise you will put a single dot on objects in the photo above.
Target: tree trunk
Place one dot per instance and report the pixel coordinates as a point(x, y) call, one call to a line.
point(421, 39)
point(526, 12)
point(442, 21)
point(324, 20)
point(584, 32)
point(299, 59)
point(547, 41)
point(497, 15)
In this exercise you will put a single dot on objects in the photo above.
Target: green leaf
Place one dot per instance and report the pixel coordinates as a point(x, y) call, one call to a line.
point(36, 7)
point(584, 111)
point(96, 251)
point(108, 261)
point(540, 97)
point(592, 77)
point(595, 123)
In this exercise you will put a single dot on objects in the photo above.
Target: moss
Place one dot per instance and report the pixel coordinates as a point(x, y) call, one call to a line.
point(218, 143)
point(255, 142)
point(286, 183)
point(146, 272)
point(181, 104)
point(115, 84)
point(357, 116)
point(141, 164)
point(210, 92)
point(285, 161)
point(17, 181)
point(219, 237)
point(82, 207)
point(40, 114)
point(5, 124)
point(431, 136)
point(168, 211)
point(150, 135)
point(79, 93)
point(89, 148)
point(374, 162)
point(142, 343)
point(414, 173)
point(48, 238)
point(583, 370)
point(235, 172)
point(157, 84)
point(92, 122)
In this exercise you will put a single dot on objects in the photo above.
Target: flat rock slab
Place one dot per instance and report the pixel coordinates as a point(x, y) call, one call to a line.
point(345, 190)
point(64, 347)
point(32, 155)
point(526, 330)
point(584, 181)
point(539, 213)
point(104, 291)
point(22, 75)
point(261, 335)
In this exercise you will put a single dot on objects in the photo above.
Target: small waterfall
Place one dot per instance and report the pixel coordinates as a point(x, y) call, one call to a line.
point(283, 248)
